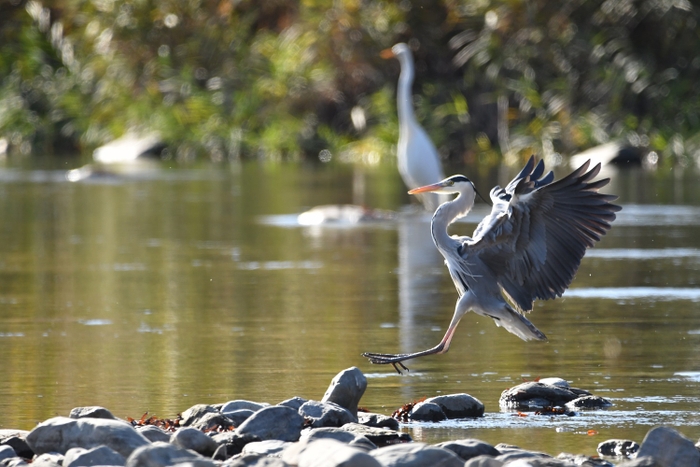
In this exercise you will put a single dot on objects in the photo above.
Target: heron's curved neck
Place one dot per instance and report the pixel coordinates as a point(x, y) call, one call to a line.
point(446, 214)
point(404, 97)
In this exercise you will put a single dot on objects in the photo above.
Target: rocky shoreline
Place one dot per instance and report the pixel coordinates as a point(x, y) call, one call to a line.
point(331, 432)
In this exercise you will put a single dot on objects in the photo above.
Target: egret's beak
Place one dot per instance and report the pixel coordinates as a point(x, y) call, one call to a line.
point(386, 54)
point(427, 188)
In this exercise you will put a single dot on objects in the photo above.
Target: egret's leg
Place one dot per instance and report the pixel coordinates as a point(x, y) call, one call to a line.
point(462, 306)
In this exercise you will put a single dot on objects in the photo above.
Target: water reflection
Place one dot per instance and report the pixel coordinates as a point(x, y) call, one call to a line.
point(198, 286)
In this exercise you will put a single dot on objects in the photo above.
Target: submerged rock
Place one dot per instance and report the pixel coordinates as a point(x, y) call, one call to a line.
point(539, 394)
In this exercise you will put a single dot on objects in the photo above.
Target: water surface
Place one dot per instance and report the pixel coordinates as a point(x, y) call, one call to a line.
point(156, 290)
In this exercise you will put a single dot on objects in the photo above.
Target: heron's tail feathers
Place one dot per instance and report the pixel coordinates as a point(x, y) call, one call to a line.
point(517, 324)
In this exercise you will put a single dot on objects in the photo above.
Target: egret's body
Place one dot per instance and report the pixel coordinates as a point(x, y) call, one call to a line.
point(529, 247)
point(418, 160)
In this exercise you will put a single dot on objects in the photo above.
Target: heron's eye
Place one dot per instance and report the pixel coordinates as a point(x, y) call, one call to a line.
point(450, 182)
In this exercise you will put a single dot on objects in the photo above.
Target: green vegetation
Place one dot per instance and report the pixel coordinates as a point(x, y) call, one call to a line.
point(284, 79)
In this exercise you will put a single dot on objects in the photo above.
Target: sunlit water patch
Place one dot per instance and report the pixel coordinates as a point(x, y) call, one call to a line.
point(635, 293)
point(650, 215)
point(642, 253)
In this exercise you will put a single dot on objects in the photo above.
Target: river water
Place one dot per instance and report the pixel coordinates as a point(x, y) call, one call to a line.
point(164, 287)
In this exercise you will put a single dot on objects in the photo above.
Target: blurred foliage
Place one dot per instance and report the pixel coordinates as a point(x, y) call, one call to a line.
point(285, 79)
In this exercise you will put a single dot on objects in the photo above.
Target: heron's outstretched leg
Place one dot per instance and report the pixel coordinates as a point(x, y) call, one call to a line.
point(396, 359)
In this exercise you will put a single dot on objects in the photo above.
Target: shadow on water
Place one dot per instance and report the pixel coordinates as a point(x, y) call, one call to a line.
point(158, 290)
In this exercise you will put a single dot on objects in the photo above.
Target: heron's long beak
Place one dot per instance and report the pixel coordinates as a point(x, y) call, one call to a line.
point(386, 54)
point(427, 188)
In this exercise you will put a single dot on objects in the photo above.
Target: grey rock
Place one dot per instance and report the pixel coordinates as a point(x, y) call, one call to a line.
point(617, 448)
point(221, 453)
point(555, 381)
point(17, 440)
point(255, 460)
point(239, 416)
point(233, 442)
point(274, 422)
point(644, 461)
point(668, 447)
point(470, 448)
point(588, 402)
point(101, 455)
point(267, 448)
point(91, 412)
point(195, 413)
point(379, 436)
point(14, 462)
point(154, 433)
point(377, 420)
point(583, 461)
point(483, 461)
point(294, 402)
point(192, 438)
point(521, 454)
point(326, 414)
point(238, 404)
point(346, 389)
point(416, 455)
point(327, 453)
point(7, 452)
point(212, 420)
point(537, 394)
point(459, 405)
point(59, 434)
point(427, 412)
point(48, 459)
point(161, 454)
point(338, 434)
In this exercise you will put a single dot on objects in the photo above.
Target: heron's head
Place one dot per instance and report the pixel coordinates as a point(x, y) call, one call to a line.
point(396, 51)
point(450, 185)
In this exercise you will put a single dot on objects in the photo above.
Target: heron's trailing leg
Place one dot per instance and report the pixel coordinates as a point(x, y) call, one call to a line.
point(398, 359)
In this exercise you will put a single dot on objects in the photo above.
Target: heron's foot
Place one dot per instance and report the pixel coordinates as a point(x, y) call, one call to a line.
point(387, 358)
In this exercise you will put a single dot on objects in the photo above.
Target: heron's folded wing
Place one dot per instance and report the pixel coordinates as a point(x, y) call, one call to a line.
point(537, 233)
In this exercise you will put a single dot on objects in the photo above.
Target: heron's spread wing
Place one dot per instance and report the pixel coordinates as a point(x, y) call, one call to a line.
point(538, 231)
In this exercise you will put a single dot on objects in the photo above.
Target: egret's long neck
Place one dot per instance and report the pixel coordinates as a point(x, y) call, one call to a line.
point(446, 214)
point(404, 97)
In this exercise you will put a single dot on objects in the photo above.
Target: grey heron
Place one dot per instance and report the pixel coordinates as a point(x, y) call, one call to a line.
point(529, 247)
point(418, 160)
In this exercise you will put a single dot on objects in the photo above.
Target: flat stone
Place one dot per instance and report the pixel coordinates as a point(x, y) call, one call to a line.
point(326, 414)
point(377, 420)
point(100, 455)
point(416, 455)
point(154, 433)
point(239, 416)
point(644, 461)
point(346, 389)
point(256, 460)
point(192, 438)
point(238, 404)
point(211, 420)
point(327, 453)
point(6, 452)
point(617, 448)
point(268, 448)
point(294, 402)
point(59, 434)
point(233, 442)
point(161, 454)
point(469, 448)
point(379, 436)
point(91, 412)
point(459, 405)
point(48, 459)
point(483, 461)
point(668, 447)
point(273, 422)
point(427, 412)
point(585, 461)
point(195, 413)
point(537, 394)
point(588, 402)
point(338, 434)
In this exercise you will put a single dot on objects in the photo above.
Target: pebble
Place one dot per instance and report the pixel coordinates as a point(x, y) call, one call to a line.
point(329, 433)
